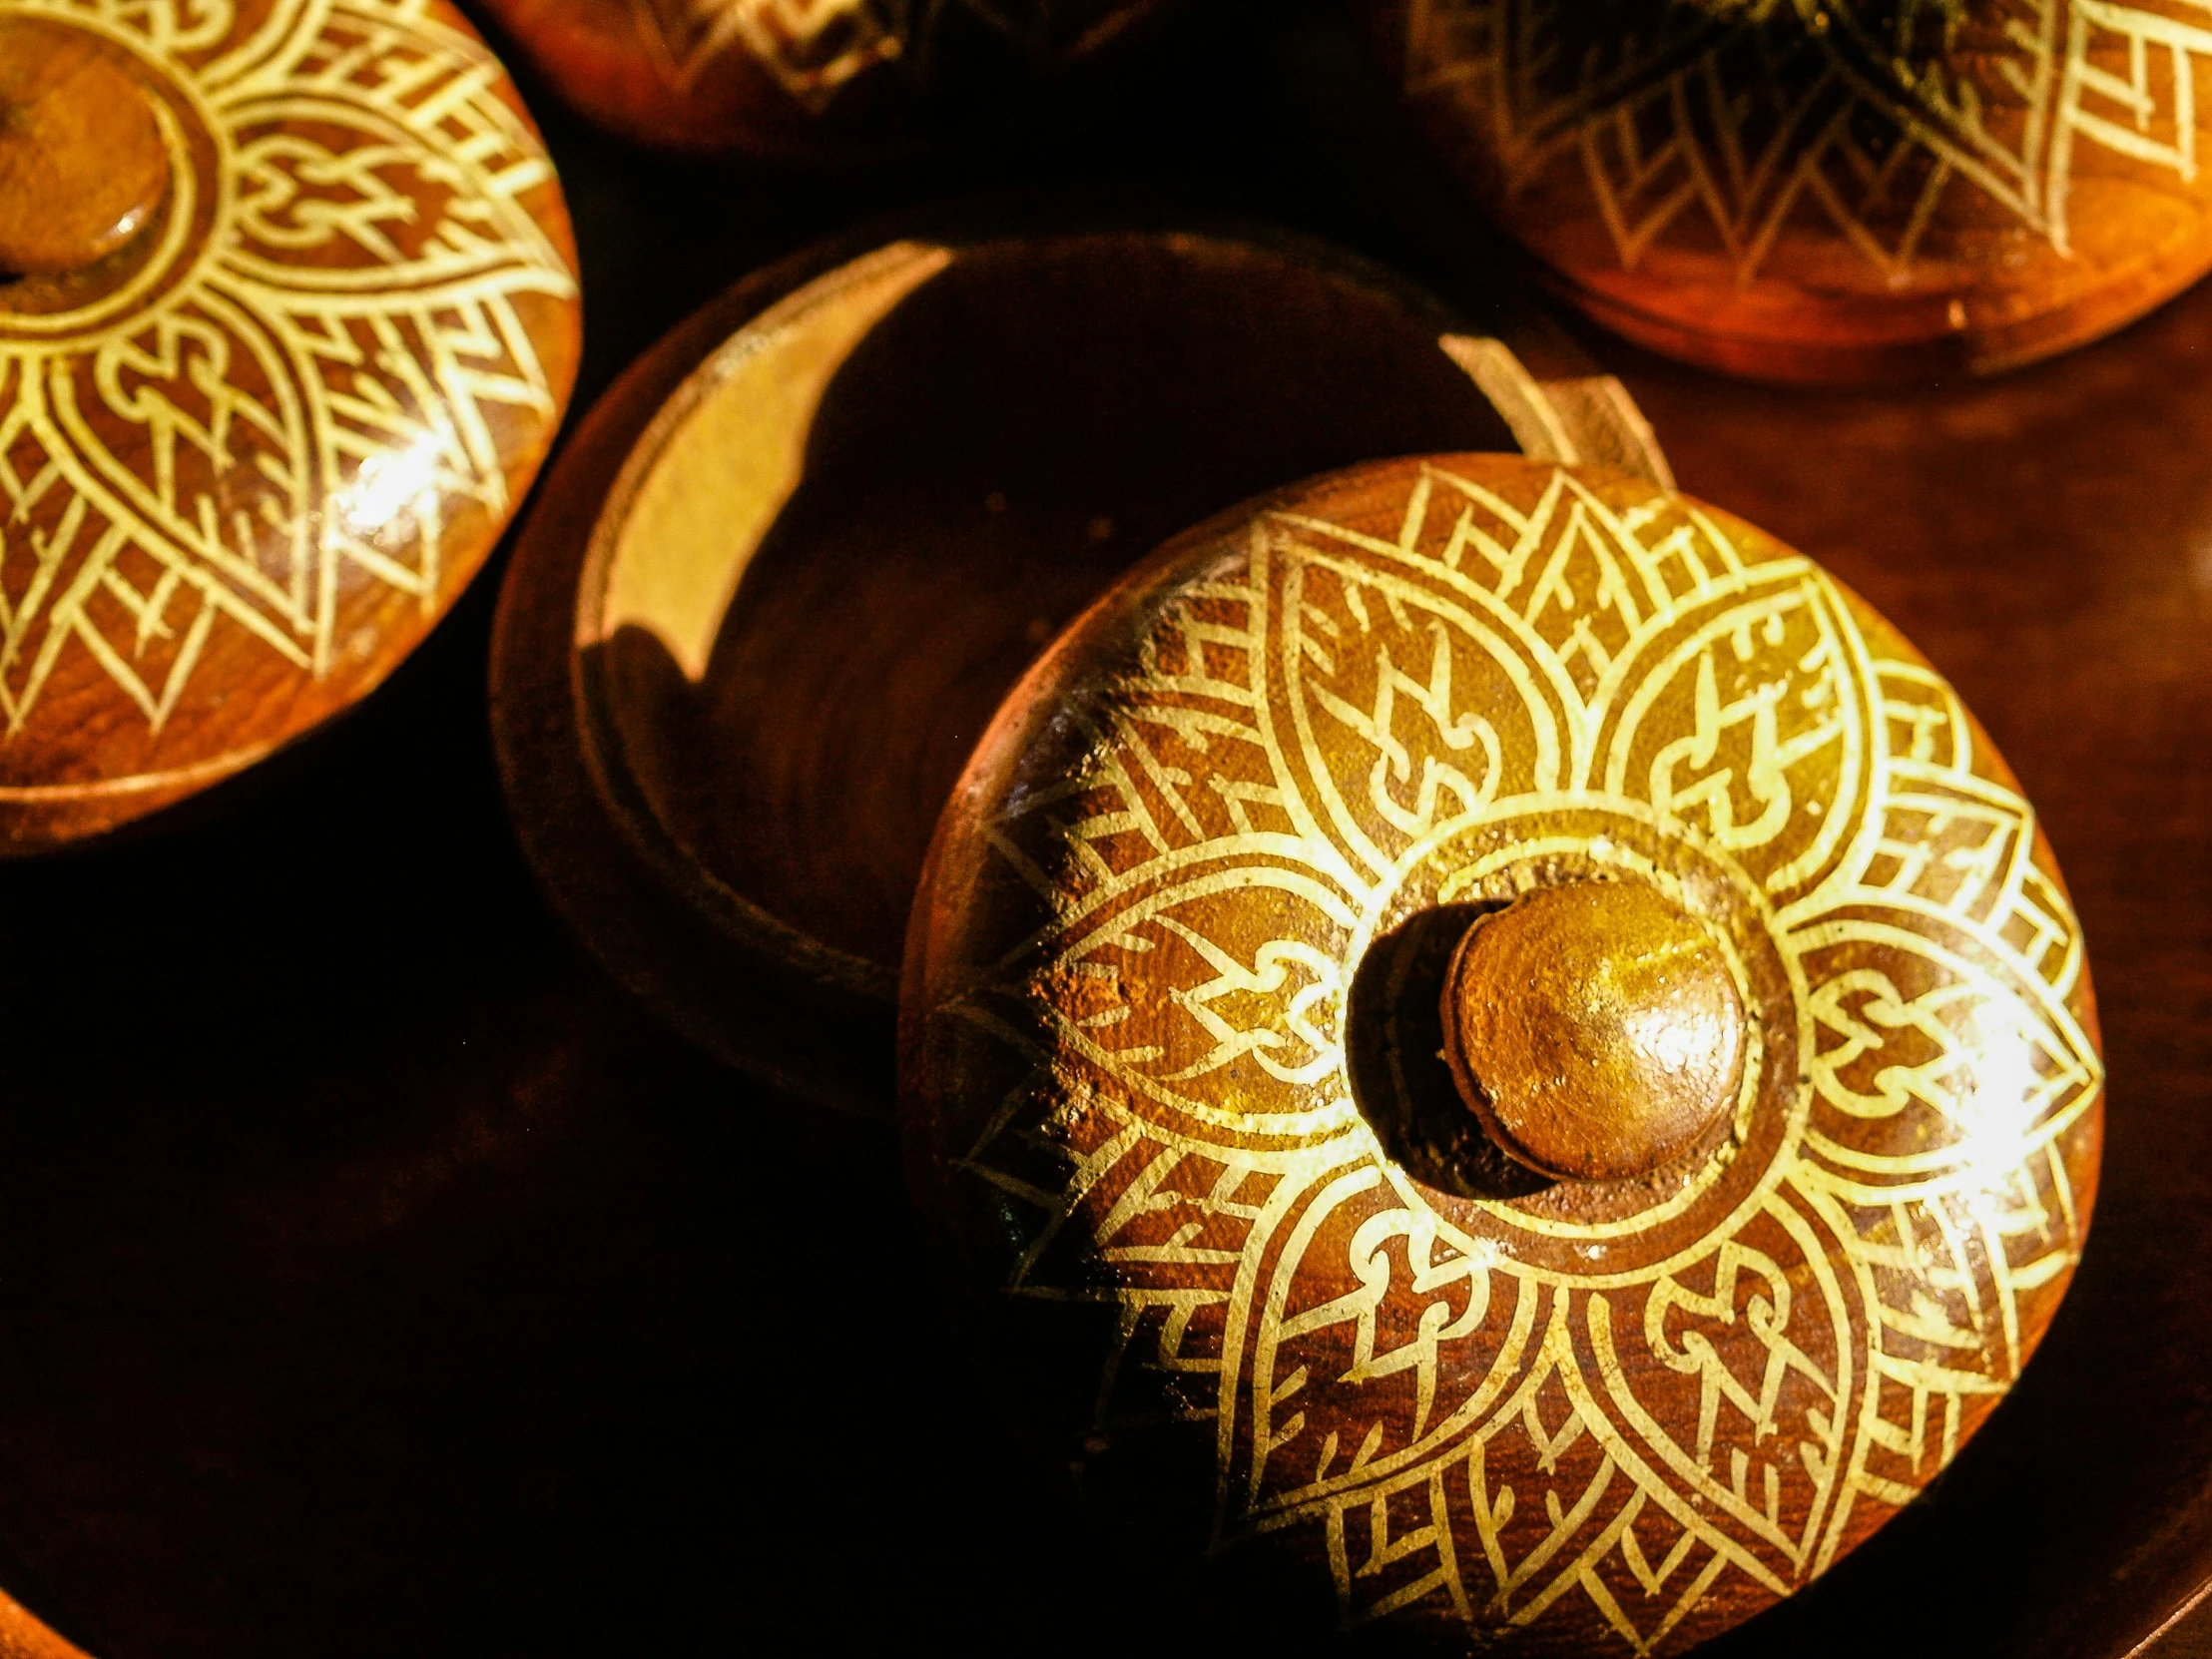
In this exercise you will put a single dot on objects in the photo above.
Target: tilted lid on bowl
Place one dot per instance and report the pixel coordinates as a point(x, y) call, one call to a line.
point(816, 77)
point(288, 318)
point(780, 581)
point(1489, 1030)
point(1832, 190)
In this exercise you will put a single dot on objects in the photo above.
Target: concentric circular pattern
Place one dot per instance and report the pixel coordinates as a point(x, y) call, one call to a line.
point(826, 78)
point(1832, 190)
point(248, 456)
point(1144, 1111)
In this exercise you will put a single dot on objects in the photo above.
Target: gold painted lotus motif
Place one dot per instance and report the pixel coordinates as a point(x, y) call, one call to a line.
point(1148, 1109)
point(248, 460)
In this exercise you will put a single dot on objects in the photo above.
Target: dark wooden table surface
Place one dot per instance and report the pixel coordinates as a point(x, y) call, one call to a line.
point(375, 1279)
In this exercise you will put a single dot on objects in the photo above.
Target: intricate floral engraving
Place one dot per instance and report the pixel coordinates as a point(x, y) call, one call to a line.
point(1479, 1408)
point(313, 369)
point(1713, 123)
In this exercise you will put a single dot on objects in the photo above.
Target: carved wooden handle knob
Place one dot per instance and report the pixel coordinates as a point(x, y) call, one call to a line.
point(82, 164)
point(1595, 1029)
point(276, 420)
point(1738, 928)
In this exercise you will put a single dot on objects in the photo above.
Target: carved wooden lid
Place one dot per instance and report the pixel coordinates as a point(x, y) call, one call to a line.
point(818, 534)
point(1832, 190)
point(288, 318)
point(797, 76)
point(1490, 1031)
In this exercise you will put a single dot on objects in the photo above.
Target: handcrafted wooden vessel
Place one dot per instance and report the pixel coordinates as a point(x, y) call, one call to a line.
point(447, 1320)
point(789, 567)
point(288, 318)
point(1489, 1036)
point(1831, 190)
point(796, 78)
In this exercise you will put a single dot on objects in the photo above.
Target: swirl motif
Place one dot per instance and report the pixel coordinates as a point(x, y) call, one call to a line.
point(1446, 683)
point(315, 387)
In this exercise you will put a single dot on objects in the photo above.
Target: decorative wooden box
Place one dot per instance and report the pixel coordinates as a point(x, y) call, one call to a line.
point(375, 1276)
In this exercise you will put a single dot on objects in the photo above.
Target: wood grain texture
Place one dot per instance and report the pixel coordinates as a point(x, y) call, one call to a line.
point(374, 1280)
point(1835, 192)
point(253, 452)
point(1150, 1113)
point(818, 79)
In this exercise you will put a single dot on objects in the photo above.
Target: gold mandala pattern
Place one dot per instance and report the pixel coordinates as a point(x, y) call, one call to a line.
point(1722, 121)
point(314, 372)
point(1653, 1414)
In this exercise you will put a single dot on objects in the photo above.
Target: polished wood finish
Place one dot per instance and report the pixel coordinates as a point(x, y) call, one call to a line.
point(374, 1279)
point(827, 80)
point(1676, 780)
point(2070, 608)
point(82, 165)
point(269, 398)
point(1840, 192)
point(829, 597)
point(1594, 1030)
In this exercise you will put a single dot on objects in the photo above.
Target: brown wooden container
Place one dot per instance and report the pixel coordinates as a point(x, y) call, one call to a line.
point(824, 79)
point(373, 1280)
point(1488, 1037)
point(291, 320)
point(791, 562)
point(1845, 191)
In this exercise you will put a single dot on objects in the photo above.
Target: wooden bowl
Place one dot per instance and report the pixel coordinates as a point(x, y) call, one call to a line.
point(791, 563)
point(1490, 1050)
point(291, 320)
point(825, 79)
point(452, 1321)
point(1831, 191)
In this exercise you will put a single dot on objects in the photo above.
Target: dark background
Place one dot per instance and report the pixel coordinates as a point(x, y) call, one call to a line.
point(375, 1279)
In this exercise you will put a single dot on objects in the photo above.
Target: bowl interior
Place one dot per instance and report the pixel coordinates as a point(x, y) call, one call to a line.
point(841, 545)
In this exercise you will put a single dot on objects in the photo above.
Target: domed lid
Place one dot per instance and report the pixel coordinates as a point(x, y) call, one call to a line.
point(818, 533)
point(288, 318)
point(1832, 190)
point(775, 77)
point(1489, 1029)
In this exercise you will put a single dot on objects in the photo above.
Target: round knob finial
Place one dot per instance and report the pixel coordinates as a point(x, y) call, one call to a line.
point(82, 163)
point(1595, 1030)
